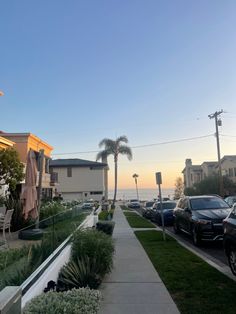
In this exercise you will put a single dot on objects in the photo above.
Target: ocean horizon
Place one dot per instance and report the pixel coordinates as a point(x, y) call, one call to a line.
point(144, 194)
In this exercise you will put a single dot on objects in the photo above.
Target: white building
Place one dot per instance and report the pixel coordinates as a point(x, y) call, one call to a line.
point(79, 179)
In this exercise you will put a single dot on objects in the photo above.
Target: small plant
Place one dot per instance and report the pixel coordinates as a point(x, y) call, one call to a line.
point(50, 209)
point(105, 226)
point(80, 273)
point(79, 301)
point(95, 245)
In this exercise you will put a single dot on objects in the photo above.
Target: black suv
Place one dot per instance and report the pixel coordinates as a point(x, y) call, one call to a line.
point(230, 239)
point(201, 217)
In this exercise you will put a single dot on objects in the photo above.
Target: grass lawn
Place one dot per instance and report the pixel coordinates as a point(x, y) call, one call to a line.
point(123, 207)
point(136, 221)
point(195, 286)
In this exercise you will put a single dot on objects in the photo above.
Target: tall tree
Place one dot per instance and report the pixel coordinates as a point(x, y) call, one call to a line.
point(179, 188)
point(11, 168)
point(115, 148)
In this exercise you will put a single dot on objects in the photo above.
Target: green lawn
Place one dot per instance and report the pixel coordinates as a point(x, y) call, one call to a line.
point(195, 286)
point(136, 221)
point(123, 207)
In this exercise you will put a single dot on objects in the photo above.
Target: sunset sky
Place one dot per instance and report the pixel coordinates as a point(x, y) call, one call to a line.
point(74, 72)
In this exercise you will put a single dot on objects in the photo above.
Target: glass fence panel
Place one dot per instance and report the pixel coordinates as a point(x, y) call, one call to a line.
point(23, 251)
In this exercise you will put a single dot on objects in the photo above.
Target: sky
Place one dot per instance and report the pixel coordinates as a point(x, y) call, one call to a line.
point(74, 72)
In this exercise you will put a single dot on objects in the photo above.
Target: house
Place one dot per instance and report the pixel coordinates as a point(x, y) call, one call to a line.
point(195, 173)
point(4, 143)
point(228, 166)
point(23, 142)
point(80, 179)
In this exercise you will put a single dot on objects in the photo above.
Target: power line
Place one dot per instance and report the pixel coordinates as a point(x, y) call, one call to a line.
point(141, 146)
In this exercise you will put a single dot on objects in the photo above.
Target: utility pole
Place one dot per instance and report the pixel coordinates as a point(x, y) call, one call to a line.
point(218, 123)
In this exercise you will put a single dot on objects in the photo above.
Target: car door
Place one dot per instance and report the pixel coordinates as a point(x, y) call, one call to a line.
point(178, 212)
point(186, 216)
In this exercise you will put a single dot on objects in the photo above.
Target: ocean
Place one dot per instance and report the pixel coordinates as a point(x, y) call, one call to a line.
point(144, 194)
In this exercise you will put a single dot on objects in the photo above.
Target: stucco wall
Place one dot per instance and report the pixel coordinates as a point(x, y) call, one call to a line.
point(83, 179)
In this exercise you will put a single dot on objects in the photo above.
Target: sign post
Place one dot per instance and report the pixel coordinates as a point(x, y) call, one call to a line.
point(159, 182)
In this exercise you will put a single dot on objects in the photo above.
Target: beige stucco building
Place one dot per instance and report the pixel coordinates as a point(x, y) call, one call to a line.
point(195, 173)
point(80, 179)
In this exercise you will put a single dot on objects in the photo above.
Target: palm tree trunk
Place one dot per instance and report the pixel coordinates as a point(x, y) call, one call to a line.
point(115, 190)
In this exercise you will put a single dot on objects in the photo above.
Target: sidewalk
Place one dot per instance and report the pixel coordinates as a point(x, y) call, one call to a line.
point(133, 287)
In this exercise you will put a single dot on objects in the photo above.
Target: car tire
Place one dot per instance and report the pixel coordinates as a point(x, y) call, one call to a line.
point(176, 227)
point(232, 259)
point(195, 236)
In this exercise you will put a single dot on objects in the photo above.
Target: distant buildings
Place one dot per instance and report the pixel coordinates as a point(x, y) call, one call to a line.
point(80, 179)
point(196, 173)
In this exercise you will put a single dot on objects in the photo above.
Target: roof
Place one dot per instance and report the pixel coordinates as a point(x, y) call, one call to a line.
point(75, 163)
point(210, 163)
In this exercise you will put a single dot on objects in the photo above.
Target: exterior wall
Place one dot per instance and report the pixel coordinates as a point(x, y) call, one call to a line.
point(83, 181)
point(23, 142)
point(208, 169)
point(229, 168)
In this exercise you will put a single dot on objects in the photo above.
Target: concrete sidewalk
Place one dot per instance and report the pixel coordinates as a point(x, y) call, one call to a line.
point(133, 287)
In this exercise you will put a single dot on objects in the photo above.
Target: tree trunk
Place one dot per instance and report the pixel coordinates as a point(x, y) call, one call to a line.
point(115, 190)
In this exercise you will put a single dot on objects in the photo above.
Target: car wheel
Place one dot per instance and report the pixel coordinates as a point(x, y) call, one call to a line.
point(232, 259)
point(195, 236)
point(176, 227)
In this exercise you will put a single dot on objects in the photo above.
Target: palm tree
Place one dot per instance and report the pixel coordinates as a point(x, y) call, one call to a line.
point(115, 148)
point(135, 176)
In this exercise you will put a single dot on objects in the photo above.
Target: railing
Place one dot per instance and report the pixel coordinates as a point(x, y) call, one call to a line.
point(53, 259)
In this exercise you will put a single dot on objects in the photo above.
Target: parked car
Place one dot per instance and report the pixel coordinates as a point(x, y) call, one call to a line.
point(134, 203)
point(87, 205)
point(229, 224)
point(147, 209)
point(201, 217)
point(167, 207)
point(230, 200)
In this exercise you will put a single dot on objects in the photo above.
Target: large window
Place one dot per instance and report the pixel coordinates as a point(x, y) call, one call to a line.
point(96, 193)
point(69, 172)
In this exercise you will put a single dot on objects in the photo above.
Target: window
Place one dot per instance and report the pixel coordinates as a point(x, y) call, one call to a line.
point(69, 172)
point(96, 193)
point(46, 164)
point(231, 174)
point(235, 172)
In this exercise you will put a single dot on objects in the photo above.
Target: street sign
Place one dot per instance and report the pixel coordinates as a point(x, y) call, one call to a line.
point(158, 178)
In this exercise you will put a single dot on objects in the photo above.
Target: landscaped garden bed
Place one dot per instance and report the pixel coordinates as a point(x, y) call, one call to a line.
point(17, 264)
point(195, 286)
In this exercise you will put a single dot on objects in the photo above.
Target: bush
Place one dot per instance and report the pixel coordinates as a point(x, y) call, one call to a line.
point(50, 209)
point(76, 301)
point(103, 215)
point(80, 273)
point(95, 245)
point(105, 226)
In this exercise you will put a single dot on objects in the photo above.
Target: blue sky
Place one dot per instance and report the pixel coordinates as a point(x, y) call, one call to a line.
point(74, 72)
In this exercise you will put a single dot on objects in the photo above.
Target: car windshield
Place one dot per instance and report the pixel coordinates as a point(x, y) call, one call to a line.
point(149, 204)
point(169, 205)
point(131, 201)
point(208, 203)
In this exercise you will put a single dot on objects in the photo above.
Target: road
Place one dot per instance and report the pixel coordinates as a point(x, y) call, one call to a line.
point(212, 250)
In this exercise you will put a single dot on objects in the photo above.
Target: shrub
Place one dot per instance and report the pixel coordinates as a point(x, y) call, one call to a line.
point(95, 245)
point(80, 273)
point(105, 226)
point(103, 215)
point(50, 209)
point(76, 301)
